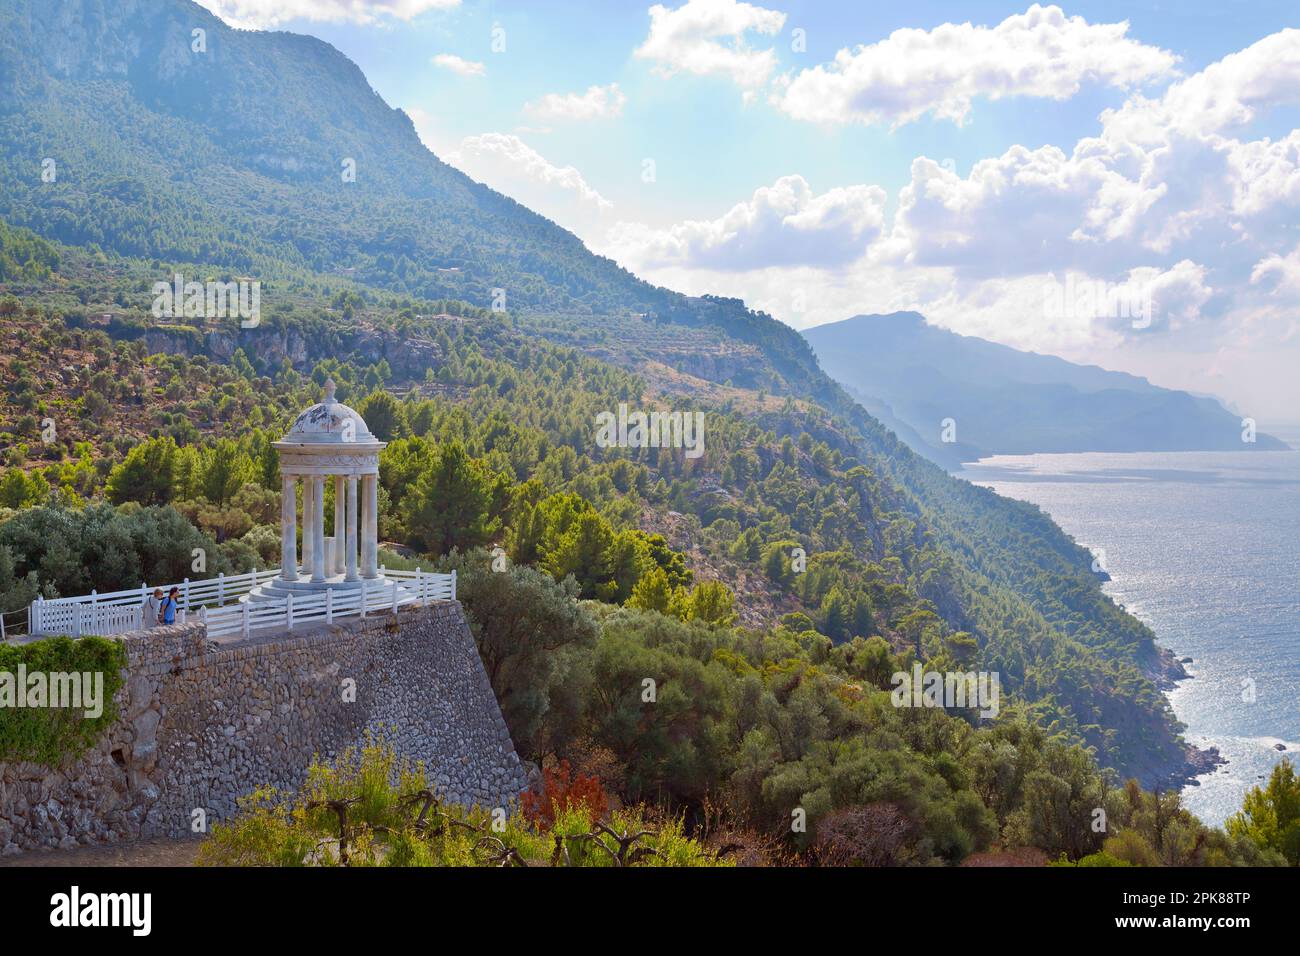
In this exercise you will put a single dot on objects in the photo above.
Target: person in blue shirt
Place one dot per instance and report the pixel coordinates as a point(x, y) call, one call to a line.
point(168, 611)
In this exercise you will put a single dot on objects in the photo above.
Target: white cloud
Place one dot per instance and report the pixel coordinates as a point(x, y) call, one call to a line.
point(1179, 292)
point(265, 14)
point(706, 37)
point(782, 224)
point(1040, 53)
point(1225, 96)
point(1175, 196)
point(598, 103)
point(1146, 297)
point(1039, 210)
point(507, 152)
point(1171, 198)
point(1023, 312)
point(1159, 182)
point(458, 65)
point(510, 166)
point(506, 163)
point(1265, 174)
point(1279, 274)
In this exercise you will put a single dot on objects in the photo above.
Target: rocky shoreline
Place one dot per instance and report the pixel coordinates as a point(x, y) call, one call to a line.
point(1168, 671)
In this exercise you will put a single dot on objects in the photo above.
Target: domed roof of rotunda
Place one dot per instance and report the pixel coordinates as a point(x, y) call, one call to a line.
point(330, 422)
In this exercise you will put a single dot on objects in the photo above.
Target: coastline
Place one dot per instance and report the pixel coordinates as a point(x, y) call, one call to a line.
point(1167, 673)
point(1178, 768)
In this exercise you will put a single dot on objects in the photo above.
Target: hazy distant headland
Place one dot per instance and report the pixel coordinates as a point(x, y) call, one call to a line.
point(956, 398)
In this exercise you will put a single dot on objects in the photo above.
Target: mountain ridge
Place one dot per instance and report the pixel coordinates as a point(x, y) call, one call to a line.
point(1001, 400)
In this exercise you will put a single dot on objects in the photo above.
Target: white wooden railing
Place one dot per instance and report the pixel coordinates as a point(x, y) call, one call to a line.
point(193, 594)
point(285, 614)
point(216, 601)
point(80, 619)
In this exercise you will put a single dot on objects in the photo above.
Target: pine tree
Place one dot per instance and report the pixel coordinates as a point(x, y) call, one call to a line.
point(652, 592)
point(584, 552)
point(1270, 816)
point(146, 475)
point(837, 614)
point(713, 603)
point(449, 505)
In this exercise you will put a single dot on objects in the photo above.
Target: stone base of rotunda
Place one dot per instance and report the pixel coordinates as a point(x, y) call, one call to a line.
point(277, 589)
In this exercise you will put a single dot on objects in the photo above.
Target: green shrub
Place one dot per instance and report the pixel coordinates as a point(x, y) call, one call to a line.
point(372, 808)
point(47, 735)
point(1102, 859)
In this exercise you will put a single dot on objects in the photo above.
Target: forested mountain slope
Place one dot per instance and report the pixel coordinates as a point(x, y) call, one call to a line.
point(937, 580)
point(236, 156)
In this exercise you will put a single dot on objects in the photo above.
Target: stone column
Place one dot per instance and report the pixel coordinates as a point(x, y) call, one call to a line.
point(317, 529)
point(338, 555)
point(370, 531)
point(308, 512)
point(289, 527)
point(352, 529)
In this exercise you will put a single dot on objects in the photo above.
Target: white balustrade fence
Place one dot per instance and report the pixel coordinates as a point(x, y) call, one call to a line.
point(216, 602)
point(79, 620)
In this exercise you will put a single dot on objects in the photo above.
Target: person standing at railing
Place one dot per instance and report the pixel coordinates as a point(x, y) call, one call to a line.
point(167, 613)
point(151, 613)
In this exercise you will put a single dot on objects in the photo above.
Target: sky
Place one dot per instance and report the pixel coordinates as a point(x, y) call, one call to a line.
point(1115, 183)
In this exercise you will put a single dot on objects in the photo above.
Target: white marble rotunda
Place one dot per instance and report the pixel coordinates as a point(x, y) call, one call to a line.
point(328, 442)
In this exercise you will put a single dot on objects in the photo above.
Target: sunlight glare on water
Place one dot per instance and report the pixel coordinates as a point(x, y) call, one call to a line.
point(1205, 548)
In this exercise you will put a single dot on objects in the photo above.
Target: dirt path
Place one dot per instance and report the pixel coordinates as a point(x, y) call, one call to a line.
point(140, 853)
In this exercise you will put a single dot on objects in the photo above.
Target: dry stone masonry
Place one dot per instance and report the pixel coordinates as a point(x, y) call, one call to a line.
point(202, 723)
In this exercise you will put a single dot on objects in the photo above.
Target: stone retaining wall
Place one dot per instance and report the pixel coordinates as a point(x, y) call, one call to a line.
point(201, 723)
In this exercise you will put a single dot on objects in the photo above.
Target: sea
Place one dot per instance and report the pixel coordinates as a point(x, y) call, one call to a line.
point(1205, 548)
